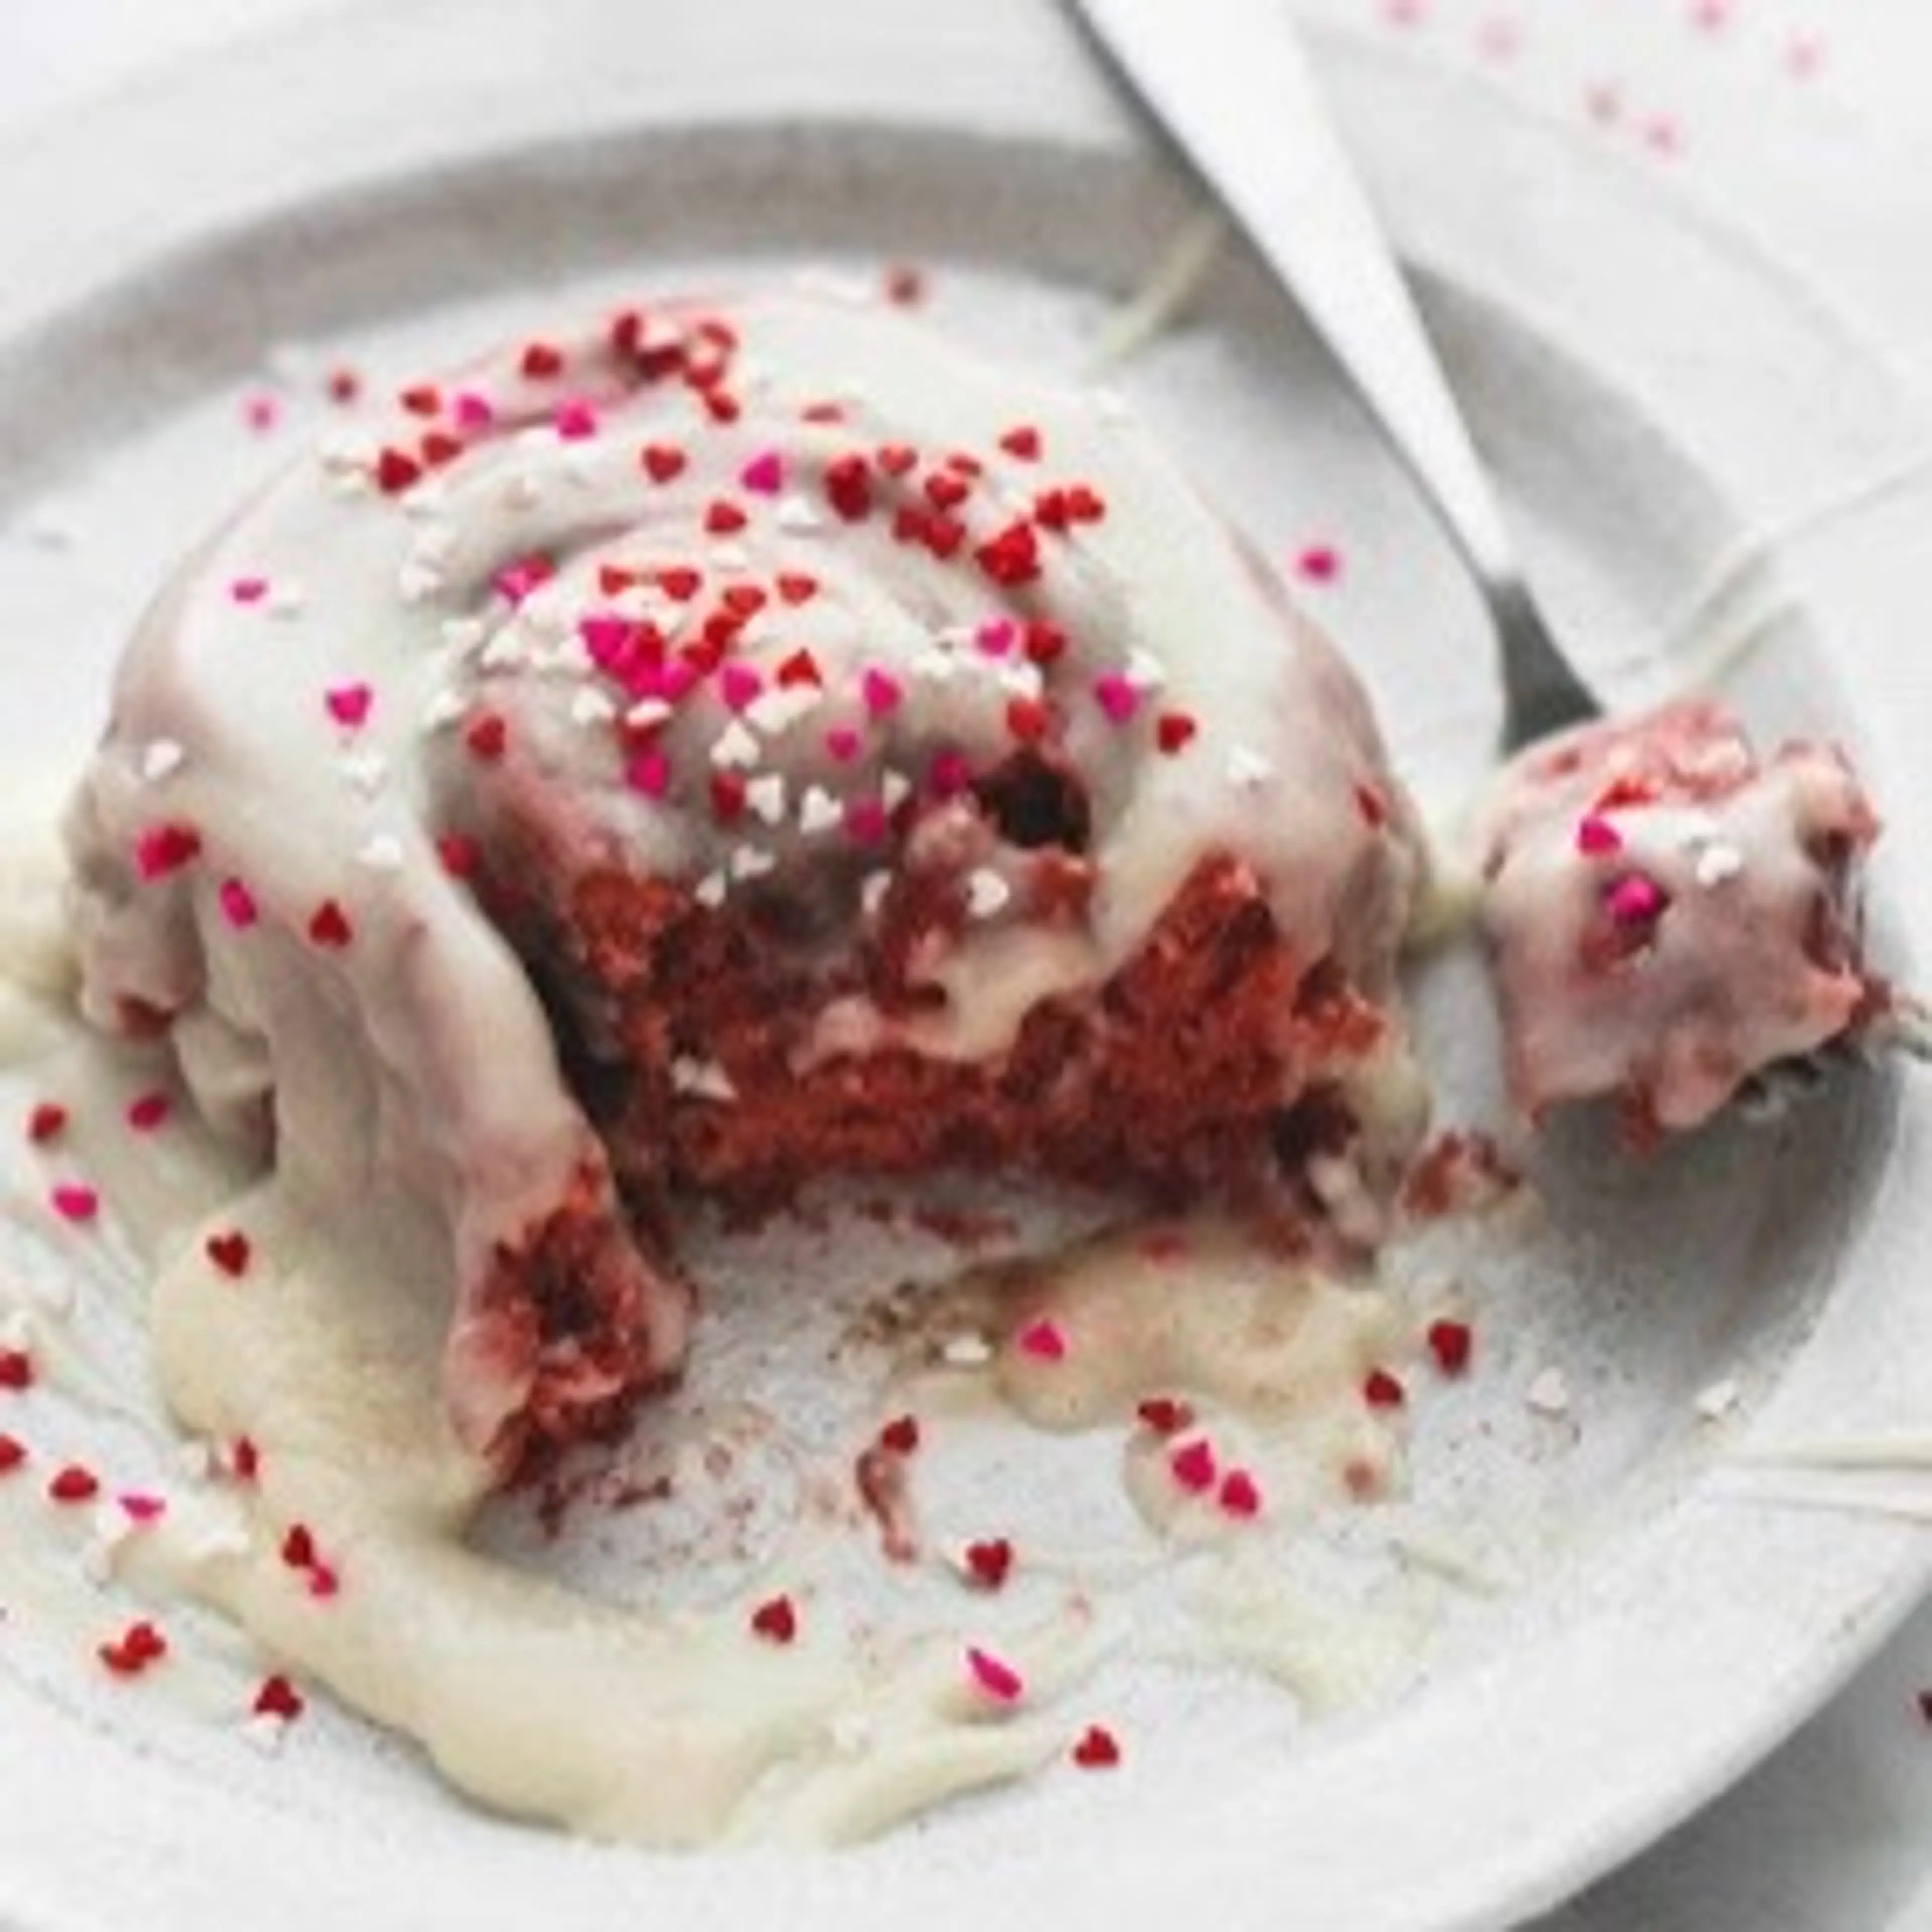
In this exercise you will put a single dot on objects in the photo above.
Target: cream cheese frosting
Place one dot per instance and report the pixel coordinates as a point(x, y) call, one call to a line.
point(794, 550)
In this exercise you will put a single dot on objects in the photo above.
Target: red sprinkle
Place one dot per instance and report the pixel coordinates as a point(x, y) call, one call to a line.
point(995, 1677)
point(230, 1251)
point(1043, 1339)
point(1098, 1749)
point(424, 399)
point(17, 1369)
point(1165, 1415)
point(343, 386)
point(727, 797)
point(848, 488)
point(1028, 719)
point(797, 587)
point(139, 1645)
point(12, 1454)
point(1023, 442)
point(1380, 1390)
point(724, 519)
point(801, 667)
point(278, 1698)
point(1013, 557)
point(987, 1563)
point(245, 1459)
point(775, 1620)
point(898, 459)
point(396, 472)
point(1450, 1342)
point(680, 583)
point(900, 1436)
point(329, 925)
point(662, 461)
point(540, 362)
point(439, 447)
point(74, 1201)
point(298, 1550)
point(47, 1122)
point(146, 1111)
point(1240, 1495)
point(72, 1483)
point(163, 849)
point(486, 736)
point(1192, 1466)
point(904, 285)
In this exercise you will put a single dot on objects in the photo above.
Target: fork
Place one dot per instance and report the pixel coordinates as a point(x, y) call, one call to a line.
point(1230, 82)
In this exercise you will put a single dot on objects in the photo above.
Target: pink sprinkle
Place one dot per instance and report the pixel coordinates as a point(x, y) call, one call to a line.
point(1116, 696)
point(950, 773)
point(1319, 563)
point(1192, 1466)
point(996, 638)
point(649, 773)
point(323, 1580)
point(764, 475)
point(1662, 135)
point(1404, 13)
point(881, 692)
point(146, 1111)
point(1604, 102)
point(139, 1507)
point(73, 1201)
point(249, 590)
point(1240, 1495)
point(515, 581)
point(349, 703)
point(472, 411)
point(1044, 1340)
point(1637, 900)
point(844, 743)
point(238, 904)
point(996, 1677)
point(1710, 17)
point(1596, 835)
point(575, 420)
point(866, 820)
point(738, 685)
point(261, 412)
point(607, 638)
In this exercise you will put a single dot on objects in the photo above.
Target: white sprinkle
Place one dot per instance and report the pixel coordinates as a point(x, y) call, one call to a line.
point(1714, 1403)
point(1548, 1394)
point(577, 470)
point(1145, 672)
point(704, 1079)
point(426, 500)
point(1023, 680)
point(264, 1732)
point(367, 770)
point(546, 608)
point(737, 746)
point(751, 861)
point(286, 600)
point(507, 647)
point(418, 583)
point(1110, 406)
point(161, 759)
point(872, 891)
point(647, 712)
point(519, 492)
point(710, 890)
point(463, 634)
point(589, 706)
point(195, 1459)
point(437, 545)
point(731, 558)
point(1247, 768)
point(818, 811)
point(381, 852)
point(347, 483)
point(765, 797)
point(444, 708)
point(293, 364)
point(781, 707)
point(966, 1351)
point(797, 517)
point(97, 1562)
point(935, 665)
point(894, 788)
point(341, 452)
point(1717, 863)
point(986, 893)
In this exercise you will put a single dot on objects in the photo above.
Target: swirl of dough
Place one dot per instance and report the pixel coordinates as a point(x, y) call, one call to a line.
point(754, 595)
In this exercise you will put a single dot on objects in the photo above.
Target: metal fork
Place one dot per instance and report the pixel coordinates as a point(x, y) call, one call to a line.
point(1230, 82)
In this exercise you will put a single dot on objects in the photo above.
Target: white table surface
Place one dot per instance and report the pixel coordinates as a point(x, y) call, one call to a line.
point(1810, 120)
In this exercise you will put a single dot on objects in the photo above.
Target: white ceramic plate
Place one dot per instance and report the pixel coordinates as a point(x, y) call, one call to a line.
point(402, 180)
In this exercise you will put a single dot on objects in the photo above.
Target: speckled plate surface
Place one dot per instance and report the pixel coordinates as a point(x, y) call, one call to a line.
point(390, 183)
